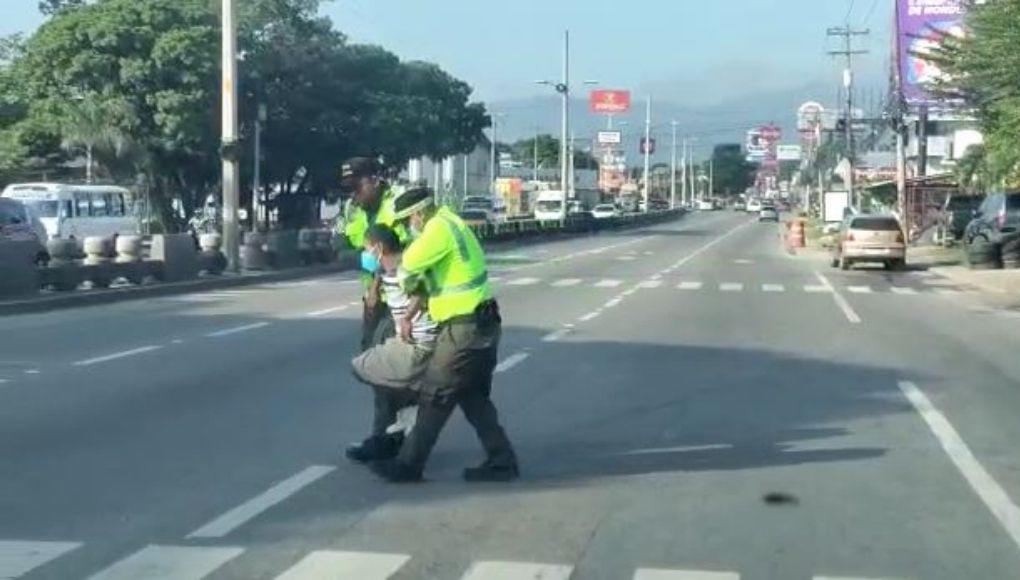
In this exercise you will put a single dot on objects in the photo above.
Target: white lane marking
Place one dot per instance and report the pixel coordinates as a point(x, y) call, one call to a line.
point(848, 578)
point(743, 262)
point(590, 316)
point(650, 284)
point(984, 485)
point(556, 335)
point(731, 287)
point(567, 282)
point(859, 289)
point(947, 291)
point(169, 563)
point(236, 330)
point(773, 288)
point(18, 558)
point(523, 282)
point(326, 311)
point(628, 292)
point(815, 289)
point(117, 355)
point(656, 277)
point(626, 258)
point(659, 574)
point(649, 253)
point(709, 245)
point(840, 300)
point(32, 371)
point(335, 565)
point(355, 303)
point(511, 361)
point(903, 290)
point(690, 286)
point(176, 341)
point(614, 303)
point(608, 283)
point(681, 449)
point(4, 382)
point(495, 279)
point(517, 571)
point(250, 509)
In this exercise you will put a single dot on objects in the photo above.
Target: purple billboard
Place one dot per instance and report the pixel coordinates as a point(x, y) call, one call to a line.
point(920, 24)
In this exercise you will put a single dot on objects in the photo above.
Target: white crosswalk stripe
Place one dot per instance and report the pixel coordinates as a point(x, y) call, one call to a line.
point(608, 283)
point(817, 289)
point(859, 289)
point(659, 574)
point(567, 282)
point(517, 571)
point(334, 565)
point(650, 284)
point(169, 563)
point(690, 286)
point(731, 287)
point(773, 288)
point(903, 290)
point(523, 282)
point(21, 557)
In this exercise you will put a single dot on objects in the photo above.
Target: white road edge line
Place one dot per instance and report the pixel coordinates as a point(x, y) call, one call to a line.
point(840, 300)
point(117, 355)
point(236, 330)
point(250, 509)
point(511, 361)
point(991, 493)
point(589, 316)
point(556, 335)
point(327, 311)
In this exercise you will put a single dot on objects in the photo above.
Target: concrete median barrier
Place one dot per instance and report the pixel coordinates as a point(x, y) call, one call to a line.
point(177, 257)
point(282, 249)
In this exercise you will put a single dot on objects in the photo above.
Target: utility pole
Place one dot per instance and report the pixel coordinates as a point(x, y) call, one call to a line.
point(493, 167)
point(648, 146)
point(534, 158)
point(260, 118)
point(564, 89)
point(711, 176)
point(847, 33)
point(692, 175)
point(231, 165)
point(464, 193)
point(672, 173)
point(683, 176)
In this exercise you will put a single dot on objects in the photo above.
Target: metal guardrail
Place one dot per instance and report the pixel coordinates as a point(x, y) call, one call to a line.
point(574, 224)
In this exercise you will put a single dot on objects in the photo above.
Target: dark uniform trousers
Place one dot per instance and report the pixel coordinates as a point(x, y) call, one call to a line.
point(460, 375)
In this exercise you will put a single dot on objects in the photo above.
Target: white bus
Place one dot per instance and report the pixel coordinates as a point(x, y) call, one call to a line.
point(78, 211)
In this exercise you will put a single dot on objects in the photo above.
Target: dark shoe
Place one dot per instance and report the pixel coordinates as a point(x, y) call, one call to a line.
point(395, 471)
point(375, 448)
point(491, 472)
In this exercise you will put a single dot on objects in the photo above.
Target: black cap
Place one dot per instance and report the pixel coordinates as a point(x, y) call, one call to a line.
point(412, 200)
point(356, 167)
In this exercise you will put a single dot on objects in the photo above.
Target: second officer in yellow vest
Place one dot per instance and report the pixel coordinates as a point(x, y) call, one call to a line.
point(447, 258)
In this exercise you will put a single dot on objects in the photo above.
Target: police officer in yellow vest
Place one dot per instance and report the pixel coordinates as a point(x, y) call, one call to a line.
point(371, 203)
point(447, 258)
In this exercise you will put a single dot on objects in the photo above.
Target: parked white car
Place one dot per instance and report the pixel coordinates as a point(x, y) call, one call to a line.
point(605, 211)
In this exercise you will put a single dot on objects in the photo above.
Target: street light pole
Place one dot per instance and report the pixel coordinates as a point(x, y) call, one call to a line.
point(260, 118)
point(492, 154)
point(648, 146)
point(231, 165)
point(672, 176)
point(565, 129)
point(683, 176)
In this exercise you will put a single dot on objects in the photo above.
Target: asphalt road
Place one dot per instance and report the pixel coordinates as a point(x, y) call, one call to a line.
point(688, 402)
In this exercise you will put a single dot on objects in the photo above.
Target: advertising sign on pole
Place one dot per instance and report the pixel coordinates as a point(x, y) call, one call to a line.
point(788, 152)
point(609, 101)
point(647, 146)
point(610, 137)
point(920, 27)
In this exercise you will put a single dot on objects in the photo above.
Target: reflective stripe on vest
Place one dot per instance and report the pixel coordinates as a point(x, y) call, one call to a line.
point(469, 285)
point(459, 237)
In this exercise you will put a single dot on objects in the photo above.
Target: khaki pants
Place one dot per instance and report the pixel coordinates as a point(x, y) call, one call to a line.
point(394, 364)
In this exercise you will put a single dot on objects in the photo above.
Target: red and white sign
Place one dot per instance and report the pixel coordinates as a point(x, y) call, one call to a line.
point(609, 101)
point(610, 137)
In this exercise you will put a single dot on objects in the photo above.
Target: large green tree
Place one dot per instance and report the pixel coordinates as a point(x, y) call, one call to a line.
point(984, 71)
point(154, 65)
point(733, 172)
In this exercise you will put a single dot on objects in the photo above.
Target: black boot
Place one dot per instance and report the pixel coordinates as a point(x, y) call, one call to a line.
point(396, 471)
point(489, 471)
point(375, 448)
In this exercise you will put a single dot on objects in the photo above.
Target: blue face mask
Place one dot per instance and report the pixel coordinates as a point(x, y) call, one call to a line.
point(369, 263)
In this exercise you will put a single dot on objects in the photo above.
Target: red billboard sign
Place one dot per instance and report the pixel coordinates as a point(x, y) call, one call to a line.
point(609, 101)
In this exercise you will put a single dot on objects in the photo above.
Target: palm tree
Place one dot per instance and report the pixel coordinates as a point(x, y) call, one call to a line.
point(94, 124)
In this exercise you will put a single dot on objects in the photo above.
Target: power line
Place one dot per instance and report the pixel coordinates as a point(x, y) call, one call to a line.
point(847, 34)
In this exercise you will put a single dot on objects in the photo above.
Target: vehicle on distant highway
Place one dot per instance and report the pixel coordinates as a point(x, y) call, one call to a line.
point(77, 211)
point(605, 211)
point(754, 205)
point(739, 205)
point(705, 205)
point(551, 206)
point(768, 213)
point(870, 238)
point(476, 217)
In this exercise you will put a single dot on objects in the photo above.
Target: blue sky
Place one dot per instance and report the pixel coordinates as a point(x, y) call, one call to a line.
point(686, 53)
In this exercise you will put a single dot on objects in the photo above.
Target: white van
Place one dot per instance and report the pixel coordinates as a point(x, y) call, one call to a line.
point(77, 211)
point(550, 206)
